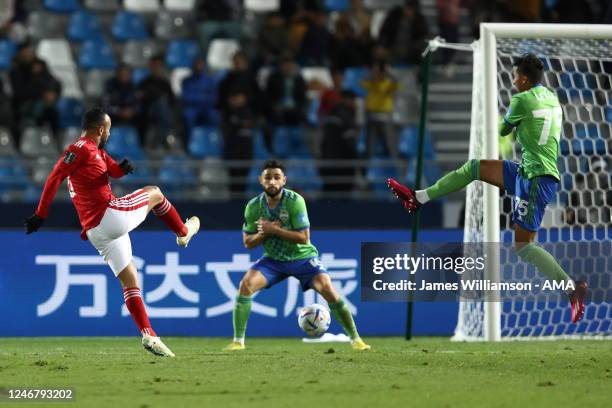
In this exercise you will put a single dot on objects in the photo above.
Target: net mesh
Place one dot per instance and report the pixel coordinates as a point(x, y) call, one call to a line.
point(579, 71)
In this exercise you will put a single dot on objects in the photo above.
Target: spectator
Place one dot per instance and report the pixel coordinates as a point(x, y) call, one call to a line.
point(381, 88)
point(360, 20)
point(13, 16)
point(403, 33)
point(198, 96)
point(6, 115)
point(449, 13)
point(272, 39)
point(120, 98)
point(238, 101)
point(156, 101)
point(339, 142)
point(35, 90)
point(237, 128)
point(239, 80)
point(286, 94)
point(314, 49)
point(331, 96)
point(346, 49)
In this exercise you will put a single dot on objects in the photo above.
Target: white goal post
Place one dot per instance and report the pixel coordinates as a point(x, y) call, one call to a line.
point(555, 43)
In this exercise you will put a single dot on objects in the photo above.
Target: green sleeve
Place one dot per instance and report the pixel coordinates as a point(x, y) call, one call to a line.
point(515, 113)
point(250, 219)
point(299, 215)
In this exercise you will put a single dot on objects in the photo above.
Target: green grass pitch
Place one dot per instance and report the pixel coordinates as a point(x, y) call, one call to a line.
point(273, 372)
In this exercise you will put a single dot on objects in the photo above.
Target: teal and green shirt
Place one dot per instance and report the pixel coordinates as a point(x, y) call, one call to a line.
point(291, 212)
point(537, 116)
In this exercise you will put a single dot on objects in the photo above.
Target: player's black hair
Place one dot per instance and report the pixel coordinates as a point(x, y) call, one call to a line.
point(93, 118)
point(272, 164)
point(530, 66)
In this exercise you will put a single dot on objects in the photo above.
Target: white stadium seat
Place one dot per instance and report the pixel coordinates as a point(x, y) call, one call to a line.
point(220, 53)
point(141, 6)
point(55, 52)
point(262, 6)
point(176, 79)
point(179, 5)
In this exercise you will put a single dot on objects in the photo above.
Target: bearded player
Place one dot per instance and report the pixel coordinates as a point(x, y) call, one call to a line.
point(107, 220)
point(535, 115)
point(278, 220)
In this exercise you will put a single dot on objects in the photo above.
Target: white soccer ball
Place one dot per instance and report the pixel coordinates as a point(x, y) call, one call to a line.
point(314, 319)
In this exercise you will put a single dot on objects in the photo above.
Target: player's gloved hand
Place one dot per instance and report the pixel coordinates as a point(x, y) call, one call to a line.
point(126, 166)
point(33, 223)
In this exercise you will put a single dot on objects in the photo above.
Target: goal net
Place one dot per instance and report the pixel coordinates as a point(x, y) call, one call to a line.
point(578, 67)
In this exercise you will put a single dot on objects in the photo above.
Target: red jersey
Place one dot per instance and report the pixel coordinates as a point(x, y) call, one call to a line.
point(88, 169)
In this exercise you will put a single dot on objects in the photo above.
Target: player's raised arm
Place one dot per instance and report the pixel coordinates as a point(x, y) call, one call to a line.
point(66, 165)
point(117, 170)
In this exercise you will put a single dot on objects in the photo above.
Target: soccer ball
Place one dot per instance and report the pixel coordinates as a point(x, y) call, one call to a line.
point(314, 319)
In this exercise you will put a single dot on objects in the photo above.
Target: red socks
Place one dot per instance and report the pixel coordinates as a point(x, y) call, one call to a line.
point(133, 301)
point(170, 217)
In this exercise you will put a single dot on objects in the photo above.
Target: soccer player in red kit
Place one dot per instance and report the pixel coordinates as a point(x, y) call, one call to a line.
point(107, 220)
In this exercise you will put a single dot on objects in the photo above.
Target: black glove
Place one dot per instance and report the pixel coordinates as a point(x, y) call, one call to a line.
point(126, 166)
point(33, 223)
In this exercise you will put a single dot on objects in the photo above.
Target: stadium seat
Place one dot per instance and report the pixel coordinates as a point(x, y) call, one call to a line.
point(95, 81)
point(96, 54)
point(214, 174)
point(382, 4)
point(377, 174)
point(289, 141)
point(141, 6)
point(70, 111)
point(181, 53)
point(337, 5)
point(84, 26)
point(37, 142)
point(13, 176)
point(42, 25)
point(179, 5)
point(41, 169)
point(352, 79)
point(176, 173)
point(124, 142)
point(68, 136)
point(409, 143)
point(128, 26)
point(7, 143)
point(176, 79)
point(170, 26)
point(138, 74)
point(262, 6)
point(56, 52)
point(106, 5)
point(205, 142)
point(62, 6)
point(220, 53)
point(378, 18)
point(67, 75)
point(7, 51)
point(137, 53)
point(304, 176)
point(318, 74)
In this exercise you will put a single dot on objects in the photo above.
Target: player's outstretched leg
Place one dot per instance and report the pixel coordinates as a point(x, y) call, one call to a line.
point(322, 284)
point(162, 208)
point(251, 283)
point(490, 171)
point(133, 300)
point(530, 252)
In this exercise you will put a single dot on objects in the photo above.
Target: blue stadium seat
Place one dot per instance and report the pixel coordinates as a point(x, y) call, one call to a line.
point(129, 26)
point(62, 6)
point(337, 5)
point(138, 74)
point(181, 53)
point(377, 175)
point(142, 174)
point(304, 177)
point(7, 51)
point(124, 143)
point(313, 112)
point(288, 140)
point(13, 176)
point(409, 143)
point(176, 173)
point(70, 111)
point(96, 54)
point(84, 26)
point(205, 142)
point(352, 79)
